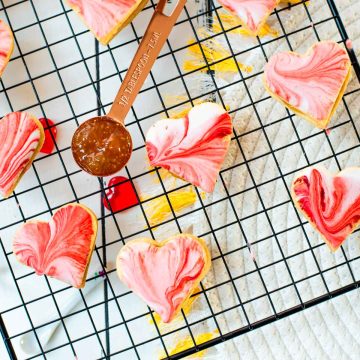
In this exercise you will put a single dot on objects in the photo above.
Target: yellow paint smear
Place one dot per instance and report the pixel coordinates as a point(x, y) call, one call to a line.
point(186, 308)
point(165, 175)
point(230, 21)
point(181, 114)
point(203, 195)
point(264, 31)
point(214, 52)
point(294, 1)
point(180, 111)
point(158, 210)
point(188, 343)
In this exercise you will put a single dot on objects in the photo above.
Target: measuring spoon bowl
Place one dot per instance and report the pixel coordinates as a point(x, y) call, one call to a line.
point(101, 146)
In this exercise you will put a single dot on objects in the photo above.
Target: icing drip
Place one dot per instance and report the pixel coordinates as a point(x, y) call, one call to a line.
point(194, 147)
point(331, 203)
point(163, 275)
point(60, 248)
point(20, 137)
point(309, 83)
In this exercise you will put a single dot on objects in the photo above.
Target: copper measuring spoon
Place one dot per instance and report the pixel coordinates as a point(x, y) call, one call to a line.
point(102, 146)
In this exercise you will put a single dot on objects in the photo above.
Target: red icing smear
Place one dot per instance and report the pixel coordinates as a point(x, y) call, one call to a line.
point(322, 206)
point(121, 194)
point(49, 144)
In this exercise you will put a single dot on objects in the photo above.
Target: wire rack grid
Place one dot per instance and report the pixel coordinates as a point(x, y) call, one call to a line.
point(59, 72)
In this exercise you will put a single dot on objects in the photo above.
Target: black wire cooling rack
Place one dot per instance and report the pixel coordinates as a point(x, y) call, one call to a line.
point(50, 83)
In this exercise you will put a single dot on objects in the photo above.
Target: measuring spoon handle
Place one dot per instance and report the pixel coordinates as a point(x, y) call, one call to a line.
point(154, 38)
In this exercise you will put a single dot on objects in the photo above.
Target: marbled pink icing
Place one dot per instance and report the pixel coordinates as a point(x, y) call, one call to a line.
point(252, 13)
point(163, 276)
point(6, 45)
point(60, 248)
point(331, 203)
point(309, 83)
point(193, 148)
point(102, 16)
point(19, 138)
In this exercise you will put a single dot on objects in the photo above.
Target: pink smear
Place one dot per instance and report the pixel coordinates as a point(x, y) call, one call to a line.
point(349, 44)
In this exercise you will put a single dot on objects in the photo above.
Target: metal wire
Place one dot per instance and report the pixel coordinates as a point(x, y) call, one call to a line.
point(110, 295)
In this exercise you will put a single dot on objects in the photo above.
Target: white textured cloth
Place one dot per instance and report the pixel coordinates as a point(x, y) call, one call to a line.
point(329, 330)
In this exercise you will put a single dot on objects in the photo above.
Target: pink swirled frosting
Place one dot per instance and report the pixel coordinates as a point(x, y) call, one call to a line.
point(103, 17)
point(164, 274)
point(6, 45)
point(60, 248)
point(21, 137)
point(192, 148)
point(310, 84)
point(330, 203)
point(252, 13)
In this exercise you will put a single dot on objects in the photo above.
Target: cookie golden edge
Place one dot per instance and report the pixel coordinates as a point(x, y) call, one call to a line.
point(29, 163)
point(131, 14)
point(93, 237)
point(11, 49)
point(207, 262)
point(324, 122)
point(294, 198)
point(93, 241)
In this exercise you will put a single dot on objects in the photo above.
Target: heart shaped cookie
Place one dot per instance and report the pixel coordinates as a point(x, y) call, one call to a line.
point(60, 248)
point(21, 138)
point(106, 18)
point(310, 85)
point(164, 274)
point(330, 203)
point(252, 13)
point(194, 147)
point(6, 45)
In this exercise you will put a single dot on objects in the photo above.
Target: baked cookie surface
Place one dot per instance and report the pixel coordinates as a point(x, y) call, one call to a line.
point(310, 85)
point(164, 274)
